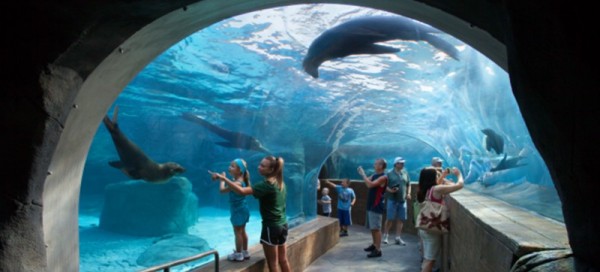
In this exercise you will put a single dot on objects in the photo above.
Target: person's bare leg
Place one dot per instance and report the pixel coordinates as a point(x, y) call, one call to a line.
point(238, 238)
point(387, 226)
point(271, 256)
point(376, 234)
point(282, 258)
point(244, 238)
point(427, 265)
point(386, 230)
point(399, 225)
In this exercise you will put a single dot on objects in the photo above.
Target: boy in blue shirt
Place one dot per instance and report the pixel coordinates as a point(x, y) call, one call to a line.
point(346, 199)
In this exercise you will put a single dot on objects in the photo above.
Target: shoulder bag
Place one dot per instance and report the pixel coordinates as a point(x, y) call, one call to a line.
point(433, 216)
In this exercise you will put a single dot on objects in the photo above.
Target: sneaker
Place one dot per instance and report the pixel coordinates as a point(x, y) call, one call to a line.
point(343, 233)
point(399, 241)
point(235, 256)
point(246, 254)
point(370, 248)
point(385, 239)
point(374, 253)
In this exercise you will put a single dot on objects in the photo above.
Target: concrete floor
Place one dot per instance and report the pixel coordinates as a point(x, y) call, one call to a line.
point(348, 255)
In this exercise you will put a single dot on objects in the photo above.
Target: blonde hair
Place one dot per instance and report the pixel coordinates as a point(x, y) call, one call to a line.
point(277, 166)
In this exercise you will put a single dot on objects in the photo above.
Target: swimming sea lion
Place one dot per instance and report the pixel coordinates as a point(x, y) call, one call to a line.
point(134, 163)
point(508, 163)
point(233, 139)
point(493, 141)
point(358, 36)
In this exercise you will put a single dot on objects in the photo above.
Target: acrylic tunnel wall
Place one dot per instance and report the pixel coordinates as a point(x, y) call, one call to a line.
point(237, 89)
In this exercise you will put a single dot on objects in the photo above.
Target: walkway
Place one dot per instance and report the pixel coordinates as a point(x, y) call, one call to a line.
point(348, 254)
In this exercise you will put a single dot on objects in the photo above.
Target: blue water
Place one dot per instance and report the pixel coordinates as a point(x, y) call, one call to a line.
point(245, 74)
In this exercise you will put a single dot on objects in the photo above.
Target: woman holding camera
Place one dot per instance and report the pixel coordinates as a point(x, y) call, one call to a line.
point(434, 186)
point(271, 195)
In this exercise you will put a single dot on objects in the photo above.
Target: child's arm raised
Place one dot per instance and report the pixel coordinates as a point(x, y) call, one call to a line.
point(223, 188)
point(234, 186)
point(330, 184)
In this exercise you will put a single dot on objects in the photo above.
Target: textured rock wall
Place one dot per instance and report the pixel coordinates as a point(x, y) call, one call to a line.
point(145, 209)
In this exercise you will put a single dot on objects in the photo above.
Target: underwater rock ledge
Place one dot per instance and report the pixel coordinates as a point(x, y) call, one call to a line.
point(144, 209)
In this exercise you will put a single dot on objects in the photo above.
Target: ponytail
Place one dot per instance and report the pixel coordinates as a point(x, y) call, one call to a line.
point(247, 178)
point(244, 169)
point(279, 173)
point(277, 166)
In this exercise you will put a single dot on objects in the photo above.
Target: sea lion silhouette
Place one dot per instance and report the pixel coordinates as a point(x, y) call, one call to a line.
point(493, 141)
point(508, 163)
point(134, 162)
point(232, 139)
point(358, 36)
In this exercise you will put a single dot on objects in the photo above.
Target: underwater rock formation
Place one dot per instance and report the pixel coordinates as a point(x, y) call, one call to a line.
point(145, 209)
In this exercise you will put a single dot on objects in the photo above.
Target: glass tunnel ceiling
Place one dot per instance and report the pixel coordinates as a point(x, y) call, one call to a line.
point(244, 74)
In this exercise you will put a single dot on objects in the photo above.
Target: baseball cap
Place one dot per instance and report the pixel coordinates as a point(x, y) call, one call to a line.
point(398, 160)
point(436, 160)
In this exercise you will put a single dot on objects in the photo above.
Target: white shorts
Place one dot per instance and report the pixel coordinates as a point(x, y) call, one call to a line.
point(432, 245)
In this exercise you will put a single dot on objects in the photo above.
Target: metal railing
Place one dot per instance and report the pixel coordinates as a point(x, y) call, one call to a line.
point(166, 267)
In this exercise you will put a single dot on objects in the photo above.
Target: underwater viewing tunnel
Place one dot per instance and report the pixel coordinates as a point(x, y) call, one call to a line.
point(238, 88)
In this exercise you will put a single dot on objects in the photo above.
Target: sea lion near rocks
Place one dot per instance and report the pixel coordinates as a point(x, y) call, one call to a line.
point(508, 163)
point(134, 162)
point(358, 36)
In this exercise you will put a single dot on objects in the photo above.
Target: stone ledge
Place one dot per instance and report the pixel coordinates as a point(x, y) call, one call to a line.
point(520, 230)
point(490, 235)
point(305, 244)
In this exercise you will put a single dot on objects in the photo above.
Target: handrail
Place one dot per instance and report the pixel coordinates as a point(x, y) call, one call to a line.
point(166, 266)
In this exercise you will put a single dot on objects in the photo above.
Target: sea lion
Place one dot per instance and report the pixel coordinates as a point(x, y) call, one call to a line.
point(358, 36)
point(508, 163)
point(233, 139)
point(493, 141)
point(134, 163)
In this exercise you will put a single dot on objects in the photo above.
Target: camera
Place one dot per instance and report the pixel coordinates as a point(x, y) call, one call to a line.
point(448, 170)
